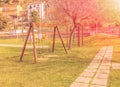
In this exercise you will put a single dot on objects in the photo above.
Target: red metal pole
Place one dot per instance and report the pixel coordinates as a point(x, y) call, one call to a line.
point(67, 37)
point(82, 35)
point(61, 40)
point(24, 47)
point(53, 46)
point(79, 36)
point(34, 47)
point(119, 32)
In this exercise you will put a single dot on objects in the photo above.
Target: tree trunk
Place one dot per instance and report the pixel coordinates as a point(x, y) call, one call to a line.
point(72, 33)
point(82, 33)
point(119, 33)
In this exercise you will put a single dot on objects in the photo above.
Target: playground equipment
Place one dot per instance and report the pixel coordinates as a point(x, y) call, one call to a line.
point(31, 28)
point(53, 47)
point(38, 8)
point(40, 36)
point(34, 37)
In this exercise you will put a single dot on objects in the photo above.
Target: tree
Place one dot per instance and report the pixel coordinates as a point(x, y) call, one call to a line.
point(3, 23)
point(74, 10)
point(34, 17)
point(8, 1)
point(2, 2)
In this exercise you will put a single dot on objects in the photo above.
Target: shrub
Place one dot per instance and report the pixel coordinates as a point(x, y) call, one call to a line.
point(3, 23)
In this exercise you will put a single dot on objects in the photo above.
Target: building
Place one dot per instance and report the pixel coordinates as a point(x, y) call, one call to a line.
point(11, 10)
point(14, 12)
point(40, 8)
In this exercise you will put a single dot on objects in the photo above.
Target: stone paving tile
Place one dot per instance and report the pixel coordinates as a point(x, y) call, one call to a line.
point(98, 57)
point(107, 56)
point(95, 61)
point(109, 50)
point(104, 67)
point(102, 75)
point(97, 86)
point(107, 60)
point(83, 80)
point(92, 67)
point(101, 53)
point(94, 64)
point(90, 70)
point(103, 71)
point(107, 53)
point(115, 64)
point(87, 74)
point(102, 50)
point(75, 84)
point(106, 63)
point(98, 81)
point(116, 67)
point(110, 58)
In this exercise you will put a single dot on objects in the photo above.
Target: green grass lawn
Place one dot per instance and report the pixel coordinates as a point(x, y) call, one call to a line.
point(56, 71)
point(20, 41)
point(11, 41)
point(114, 76)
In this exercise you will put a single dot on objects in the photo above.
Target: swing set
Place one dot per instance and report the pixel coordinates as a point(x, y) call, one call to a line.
point(31, 31)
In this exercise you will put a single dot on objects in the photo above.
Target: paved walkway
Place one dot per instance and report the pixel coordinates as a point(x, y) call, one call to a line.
point(115, 65)
point(96, 74)
point(14, 45)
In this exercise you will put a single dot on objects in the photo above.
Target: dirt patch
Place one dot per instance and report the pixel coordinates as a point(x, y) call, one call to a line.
point(50, 56)
point(42, 59)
